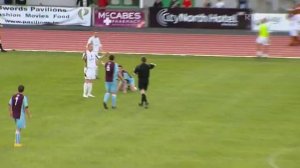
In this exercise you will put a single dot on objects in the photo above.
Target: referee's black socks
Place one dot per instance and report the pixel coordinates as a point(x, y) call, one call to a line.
point(144, 98)
point(1, 48)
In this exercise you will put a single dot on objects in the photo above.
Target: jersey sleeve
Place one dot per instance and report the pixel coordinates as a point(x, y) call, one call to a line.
point(100, 44)
point(83, 55)
point(116, 72)
point(25, 102)
point(98, 56)
point(151, 66)
point(90, 40)
point(10, 101)
point(136, 70)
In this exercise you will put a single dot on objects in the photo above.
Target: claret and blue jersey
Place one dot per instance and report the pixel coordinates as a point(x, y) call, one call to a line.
point(111, 76)
point(18, 103)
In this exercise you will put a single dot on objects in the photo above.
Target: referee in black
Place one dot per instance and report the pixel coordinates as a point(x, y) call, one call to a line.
point(143, 73)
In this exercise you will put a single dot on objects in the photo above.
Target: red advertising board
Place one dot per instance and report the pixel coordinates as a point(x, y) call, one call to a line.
point(119, 18)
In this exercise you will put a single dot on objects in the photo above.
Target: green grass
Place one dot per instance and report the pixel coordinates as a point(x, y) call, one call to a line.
point(204, 113)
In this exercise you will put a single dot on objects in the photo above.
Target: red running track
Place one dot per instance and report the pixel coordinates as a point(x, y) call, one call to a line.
point(135, 42)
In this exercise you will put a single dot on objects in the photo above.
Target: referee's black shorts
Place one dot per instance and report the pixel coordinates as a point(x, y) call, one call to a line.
point(143, 84)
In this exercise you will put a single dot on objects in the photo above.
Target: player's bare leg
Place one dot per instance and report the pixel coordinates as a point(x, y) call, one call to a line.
point(97, 72)
point(297, 40)
point(124, 88)
point(144, 101)
point(133, 88)
point(120, 86)
point(265, 51)
point(258, 50)
point(90, 88)
point(294, 41)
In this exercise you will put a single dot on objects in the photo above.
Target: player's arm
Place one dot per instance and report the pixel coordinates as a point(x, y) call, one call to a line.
point(10, 110)
point(152, 65)
point(121, 78)
point(116, 74)
point(102, 55)
point(102, 63)
point(27, 112)
point(25, 102)
point(88, 42)
point(85, 64)
point(136, 70)
point(105, 54)
point(100, 45)
point(84, 56)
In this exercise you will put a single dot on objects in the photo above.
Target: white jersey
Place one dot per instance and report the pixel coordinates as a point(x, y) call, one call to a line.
point(95, 41)
point(294, 21)
point(90, 59)
point(220, 5)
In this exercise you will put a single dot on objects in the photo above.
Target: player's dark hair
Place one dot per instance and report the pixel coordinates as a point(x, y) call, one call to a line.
point(143, 59)
point(21, 88)
point(111, 57)
point(120, 66)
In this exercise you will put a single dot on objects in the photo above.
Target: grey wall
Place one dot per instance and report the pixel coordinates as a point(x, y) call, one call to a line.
point(148, 3)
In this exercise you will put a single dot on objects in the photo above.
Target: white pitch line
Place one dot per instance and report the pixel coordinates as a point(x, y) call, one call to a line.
point(195, 55)
point(273, 157)
point(272, 160)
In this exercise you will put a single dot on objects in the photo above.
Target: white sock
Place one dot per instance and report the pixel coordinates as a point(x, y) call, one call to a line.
point(97, 71)
point(90, 88)
point(85, 88)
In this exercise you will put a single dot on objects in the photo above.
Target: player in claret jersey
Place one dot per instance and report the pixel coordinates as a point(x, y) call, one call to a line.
point(111, 81)
point(18, 106)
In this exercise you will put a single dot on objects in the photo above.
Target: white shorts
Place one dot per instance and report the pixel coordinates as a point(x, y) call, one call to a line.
point(262, 40)
point(96, 49)
point(293, 32)
point(90, 73)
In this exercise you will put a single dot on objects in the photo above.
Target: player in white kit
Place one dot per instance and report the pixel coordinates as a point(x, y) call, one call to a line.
point(97, 47)
point(90, 59)
point(294, 28)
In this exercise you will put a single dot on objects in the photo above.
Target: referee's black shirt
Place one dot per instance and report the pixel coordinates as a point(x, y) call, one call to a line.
point(143, 70)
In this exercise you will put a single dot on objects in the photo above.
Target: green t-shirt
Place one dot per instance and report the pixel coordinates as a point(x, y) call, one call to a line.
point(264, 30)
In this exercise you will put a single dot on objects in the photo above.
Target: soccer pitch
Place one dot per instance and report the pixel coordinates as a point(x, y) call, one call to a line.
point(204, 112)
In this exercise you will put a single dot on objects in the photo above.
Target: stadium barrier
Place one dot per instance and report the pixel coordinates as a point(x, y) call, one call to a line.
point(45, 15)
point(137, 18)
point(211, 18)
point(132, 18)
point(277, 22)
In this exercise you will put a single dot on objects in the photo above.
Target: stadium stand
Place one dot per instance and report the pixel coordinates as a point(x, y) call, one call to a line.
point(257, 5)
